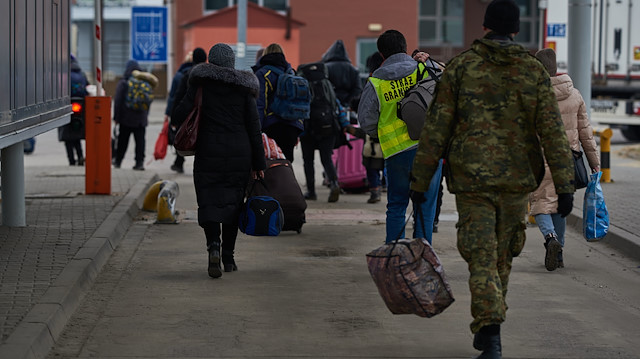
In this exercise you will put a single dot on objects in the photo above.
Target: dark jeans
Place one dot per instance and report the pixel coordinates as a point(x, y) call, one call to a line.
point(72, 146)
point(229, 232)
point(123, 143)
point(325, 146)
point(286, 136)
point(373, 176)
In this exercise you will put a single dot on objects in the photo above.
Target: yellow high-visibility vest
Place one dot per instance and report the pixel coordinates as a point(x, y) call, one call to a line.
point(392, 131)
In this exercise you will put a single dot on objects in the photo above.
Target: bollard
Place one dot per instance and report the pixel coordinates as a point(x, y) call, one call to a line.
point(605, 153)
point(161, 198)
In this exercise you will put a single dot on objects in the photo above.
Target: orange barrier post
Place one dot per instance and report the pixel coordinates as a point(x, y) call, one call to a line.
point(98, 145)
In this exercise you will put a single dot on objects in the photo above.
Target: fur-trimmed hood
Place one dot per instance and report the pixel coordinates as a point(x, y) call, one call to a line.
point(205, 72)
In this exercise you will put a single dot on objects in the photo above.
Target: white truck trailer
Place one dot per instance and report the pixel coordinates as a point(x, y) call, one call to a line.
point(615, 59)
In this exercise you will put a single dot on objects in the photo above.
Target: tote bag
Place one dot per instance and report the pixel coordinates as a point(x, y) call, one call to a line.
point(187, 135)
point(595, 216)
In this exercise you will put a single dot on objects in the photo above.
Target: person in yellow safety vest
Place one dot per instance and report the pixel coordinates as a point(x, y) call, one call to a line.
point(377, 117)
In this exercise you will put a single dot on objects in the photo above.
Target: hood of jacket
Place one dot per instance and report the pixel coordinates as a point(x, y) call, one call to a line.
point(75, 67)
point(499, 50)
point(273, 59)
point(336, 52)
point(395, 67)
point(131, 65)
point(562, 86)
point(205, 72)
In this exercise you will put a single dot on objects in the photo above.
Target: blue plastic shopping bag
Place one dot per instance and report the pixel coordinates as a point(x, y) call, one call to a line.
point(595, 216)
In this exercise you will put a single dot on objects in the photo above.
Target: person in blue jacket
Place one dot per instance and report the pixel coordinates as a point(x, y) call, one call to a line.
point(284, 132)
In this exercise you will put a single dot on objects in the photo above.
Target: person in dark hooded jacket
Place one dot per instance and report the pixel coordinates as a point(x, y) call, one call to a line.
point(176, 93)
point(228, 149)
point(72, 133)
point(130, 121)
point(342, 74)
point(284, 132)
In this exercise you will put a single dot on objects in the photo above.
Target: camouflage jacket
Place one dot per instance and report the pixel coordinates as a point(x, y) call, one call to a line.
point(495, 111)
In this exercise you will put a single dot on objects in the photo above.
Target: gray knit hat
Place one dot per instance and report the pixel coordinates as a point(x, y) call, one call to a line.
point(222, 55)
point(548, 59)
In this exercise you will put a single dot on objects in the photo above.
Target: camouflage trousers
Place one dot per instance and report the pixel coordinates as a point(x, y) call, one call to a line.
point(491, 231)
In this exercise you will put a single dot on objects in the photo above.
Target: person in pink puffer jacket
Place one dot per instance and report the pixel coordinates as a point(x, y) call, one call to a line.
point(544, 201)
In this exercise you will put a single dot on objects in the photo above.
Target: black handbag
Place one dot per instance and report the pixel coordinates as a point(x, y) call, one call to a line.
point(582, 177)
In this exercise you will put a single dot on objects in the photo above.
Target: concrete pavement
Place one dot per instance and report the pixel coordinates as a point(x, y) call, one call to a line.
point(49, 267)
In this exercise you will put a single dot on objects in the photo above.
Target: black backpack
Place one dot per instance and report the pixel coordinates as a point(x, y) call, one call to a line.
point(323, 115)
point(412, 109)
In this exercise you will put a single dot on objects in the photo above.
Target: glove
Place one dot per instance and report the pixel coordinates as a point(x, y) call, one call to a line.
point(417, 197)
point(565, 204)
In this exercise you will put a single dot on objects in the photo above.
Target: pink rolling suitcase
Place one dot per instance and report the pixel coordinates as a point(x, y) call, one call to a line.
point(352, 176)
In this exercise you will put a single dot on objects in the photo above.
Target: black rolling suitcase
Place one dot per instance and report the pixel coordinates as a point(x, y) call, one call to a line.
point(280, 183)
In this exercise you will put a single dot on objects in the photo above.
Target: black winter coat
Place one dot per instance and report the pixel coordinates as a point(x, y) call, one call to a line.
point(342, 74)
point(229, 143)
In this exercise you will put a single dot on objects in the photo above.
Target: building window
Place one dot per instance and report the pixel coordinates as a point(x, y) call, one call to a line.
point(213, 5)
point(441, 22)
point(529, 23)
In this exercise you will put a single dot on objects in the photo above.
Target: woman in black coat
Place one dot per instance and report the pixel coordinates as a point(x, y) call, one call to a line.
point(229, 149)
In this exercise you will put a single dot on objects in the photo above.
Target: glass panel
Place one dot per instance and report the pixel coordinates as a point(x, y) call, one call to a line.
point(453, 8)
point(215, 4)
point(428, 7)
point(427, 30)
point(525, 7)
point(452, 31)
point(276, 4)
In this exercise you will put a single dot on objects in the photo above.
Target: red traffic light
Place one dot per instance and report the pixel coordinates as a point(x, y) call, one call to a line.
point(76, 107)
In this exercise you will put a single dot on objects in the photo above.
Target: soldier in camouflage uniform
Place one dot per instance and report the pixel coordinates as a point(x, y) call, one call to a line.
point(493, 113)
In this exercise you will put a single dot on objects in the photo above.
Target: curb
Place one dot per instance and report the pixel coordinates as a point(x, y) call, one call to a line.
point(41, 327)
point(616, 238)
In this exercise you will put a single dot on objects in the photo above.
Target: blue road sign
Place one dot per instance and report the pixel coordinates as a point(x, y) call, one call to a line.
point(149, 34)
point(557, 30)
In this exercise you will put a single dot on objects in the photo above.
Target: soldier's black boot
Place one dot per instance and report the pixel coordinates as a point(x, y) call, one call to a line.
point(488, 340)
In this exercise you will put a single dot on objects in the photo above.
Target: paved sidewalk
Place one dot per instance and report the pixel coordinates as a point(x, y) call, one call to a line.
point(47, 266)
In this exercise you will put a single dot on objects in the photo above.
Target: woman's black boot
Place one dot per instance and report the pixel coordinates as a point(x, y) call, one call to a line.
point(488, 340)
point(214, 261)
point(228, 262)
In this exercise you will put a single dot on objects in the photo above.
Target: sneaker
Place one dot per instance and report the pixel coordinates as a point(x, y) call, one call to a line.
point(177, 169)
point(310, 196)
point(553, 247)
point(138, 168)
point(80, 161)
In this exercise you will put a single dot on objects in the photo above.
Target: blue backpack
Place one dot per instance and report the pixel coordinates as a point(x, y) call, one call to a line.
point(292, 96)
point(261, 216)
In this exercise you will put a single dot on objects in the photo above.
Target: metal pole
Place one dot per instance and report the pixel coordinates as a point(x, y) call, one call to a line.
point(13, 203)
point(580, 47)
point(97, 58)
point(542, 6)
point(170, 50)
point(241, 47)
